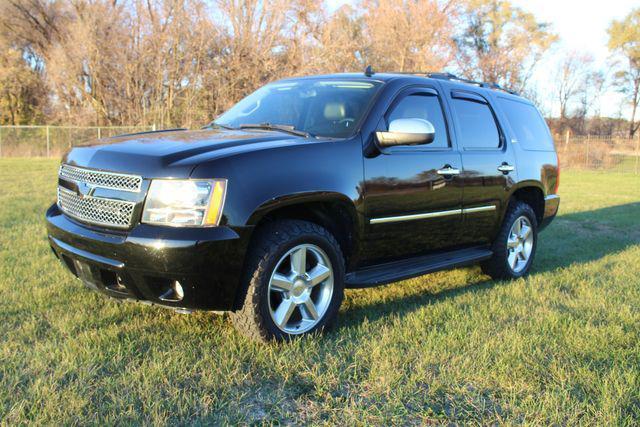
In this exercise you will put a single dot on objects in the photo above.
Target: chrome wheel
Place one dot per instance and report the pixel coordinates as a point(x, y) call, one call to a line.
point(300, 289)
point(519, 244)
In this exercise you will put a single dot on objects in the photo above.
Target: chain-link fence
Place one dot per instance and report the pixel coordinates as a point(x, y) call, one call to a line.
point(608, 153)
point(613, 154)
point(52, 141)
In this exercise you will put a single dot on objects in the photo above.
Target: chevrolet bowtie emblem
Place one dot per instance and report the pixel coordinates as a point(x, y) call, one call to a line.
point(85, 190)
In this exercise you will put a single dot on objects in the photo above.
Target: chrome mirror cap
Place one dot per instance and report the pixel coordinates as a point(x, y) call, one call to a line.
point(411, 126)
point(407, 132)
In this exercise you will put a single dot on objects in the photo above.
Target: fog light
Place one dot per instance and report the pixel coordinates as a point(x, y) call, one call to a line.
point(177, 288)
point(175, 292)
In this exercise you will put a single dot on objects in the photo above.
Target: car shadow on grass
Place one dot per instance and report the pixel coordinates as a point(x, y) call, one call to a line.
point(575, 238)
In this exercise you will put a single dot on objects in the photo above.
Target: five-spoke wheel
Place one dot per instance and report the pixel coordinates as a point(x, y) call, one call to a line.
point(300, 289)
point(295, 281)
point(520, 244)
point(515, 245)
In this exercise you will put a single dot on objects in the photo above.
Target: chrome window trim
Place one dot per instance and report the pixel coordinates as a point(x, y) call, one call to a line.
point(436, 214)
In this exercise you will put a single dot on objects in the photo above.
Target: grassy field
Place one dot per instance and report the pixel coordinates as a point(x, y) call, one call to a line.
point(559, 347)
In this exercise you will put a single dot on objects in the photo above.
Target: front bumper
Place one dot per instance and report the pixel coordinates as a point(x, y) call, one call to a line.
point(143, 263)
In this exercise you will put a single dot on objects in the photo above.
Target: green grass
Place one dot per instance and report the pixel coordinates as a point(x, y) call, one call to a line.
point(559, 347)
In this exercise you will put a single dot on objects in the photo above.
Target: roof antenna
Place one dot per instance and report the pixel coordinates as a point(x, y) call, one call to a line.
point(368, 71)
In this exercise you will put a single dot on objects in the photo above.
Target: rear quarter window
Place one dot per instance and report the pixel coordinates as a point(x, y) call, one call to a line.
point(528, 125)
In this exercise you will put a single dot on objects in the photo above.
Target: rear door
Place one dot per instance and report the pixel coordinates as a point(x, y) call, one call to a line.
point(413, 194)
point(488, 164)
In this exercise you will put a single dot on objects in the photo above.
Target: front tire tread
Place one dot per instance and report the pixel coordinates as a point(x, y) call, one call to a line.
point(252, 319)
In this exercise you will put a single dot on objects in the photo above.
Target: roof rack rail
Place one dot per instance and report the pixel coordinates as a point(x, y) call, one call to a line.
point(453, 77)
point(496, 86)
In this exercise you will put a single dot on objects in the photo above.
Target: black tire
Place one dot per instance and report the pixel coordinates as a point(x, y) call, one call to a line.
point(273, 241)
point(498, 266)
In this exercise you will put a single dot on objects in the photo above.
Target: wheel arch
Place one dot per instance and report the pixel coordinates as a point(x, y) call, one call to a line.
point(333, 211)
point(321, 208)
point(532, 193)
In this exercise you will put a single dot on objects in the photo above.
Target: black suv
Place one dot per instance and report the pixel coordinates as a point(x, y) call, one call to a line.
point(306, 187)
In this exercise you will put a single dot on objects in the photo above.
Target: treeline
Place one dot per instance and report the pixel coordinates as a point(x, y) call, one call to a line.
point(182, 62)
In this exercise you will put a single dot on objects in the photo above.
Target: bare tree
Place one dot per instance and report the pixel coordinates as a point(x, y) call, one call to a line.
point(624, 40)
point(23, 95)
point(338, 43)
point(404, 35)
point(571, 77)
point(502, 43)
point(182, 62)
point(594, 87)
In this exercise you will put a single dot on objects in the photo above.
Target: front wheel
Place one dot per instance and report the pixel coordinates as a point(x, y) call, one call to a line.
point(515, 245)
point(295, 282)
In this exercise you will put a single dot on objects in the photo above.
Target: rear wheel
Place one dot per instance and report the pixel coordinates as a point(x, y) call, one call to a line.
point(515, 245)
point(294, 283)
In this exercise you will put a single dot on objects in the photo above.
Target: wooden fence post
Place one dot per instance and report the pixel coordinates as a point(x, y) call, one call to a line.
point(587, 159)
point(637, 153)
point(0, 141)
point(48, 142)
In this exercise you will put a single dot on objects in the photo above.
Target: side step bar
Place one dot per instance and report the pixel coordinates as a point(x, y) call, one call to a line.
point(408, 268)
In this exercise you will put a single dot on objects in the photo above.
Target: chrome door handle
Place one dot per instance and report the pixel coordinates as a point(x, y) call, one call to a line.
point(448, 170)
point(505, 168)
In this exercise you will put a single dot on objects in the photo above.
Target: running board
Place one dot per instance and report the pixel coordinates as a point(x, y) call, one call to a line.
point(408, 268)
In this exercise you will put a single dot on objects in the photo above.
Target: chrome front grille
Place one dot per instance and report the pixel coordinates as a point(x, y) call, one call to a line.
point(95, 210)
point(110, 180)
point(81, 201)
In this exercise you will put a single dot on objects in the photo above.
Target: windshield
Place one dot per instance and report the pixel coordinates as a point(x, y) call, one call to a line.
point(328, 108)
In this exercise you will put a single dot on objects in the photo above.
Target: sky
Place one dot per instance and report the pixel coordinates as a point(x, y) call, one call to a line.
point(582, 26)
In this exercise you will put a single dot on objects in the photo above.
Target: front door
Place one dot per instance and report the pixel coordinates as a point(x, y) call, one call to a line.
point(413, 194)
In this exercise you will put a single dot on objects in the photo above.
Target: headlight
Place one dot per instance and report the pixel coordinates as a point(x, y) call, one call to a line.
point(185, 203)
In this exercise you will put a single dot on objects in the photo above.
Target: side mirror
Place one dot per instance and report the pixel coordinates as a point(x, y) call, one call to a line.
point(407, 132)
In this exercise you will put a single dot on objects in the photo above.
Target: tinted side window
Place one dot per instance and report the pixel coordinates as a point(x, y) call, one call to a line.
point(528, 125)
point(425, 107)
point(477, 125)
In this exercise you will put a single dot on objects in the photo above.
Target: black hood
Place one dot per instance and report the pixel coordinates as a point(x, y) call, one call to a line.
point(171, 153)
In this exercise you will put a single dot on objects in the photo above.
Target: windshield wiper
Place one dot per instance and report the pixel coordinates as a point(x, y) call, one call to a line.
point(214, 124)
point(281, 128)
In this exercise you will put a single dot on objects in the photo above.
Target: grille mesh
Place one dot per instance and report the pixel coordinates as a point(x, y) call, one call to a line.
point(112, 213)
point(114, 181)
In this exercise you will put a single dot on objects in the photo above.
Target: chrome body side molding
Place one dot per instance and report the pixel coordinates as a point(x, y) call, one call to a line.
point(479, 209)
point(401, 218)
